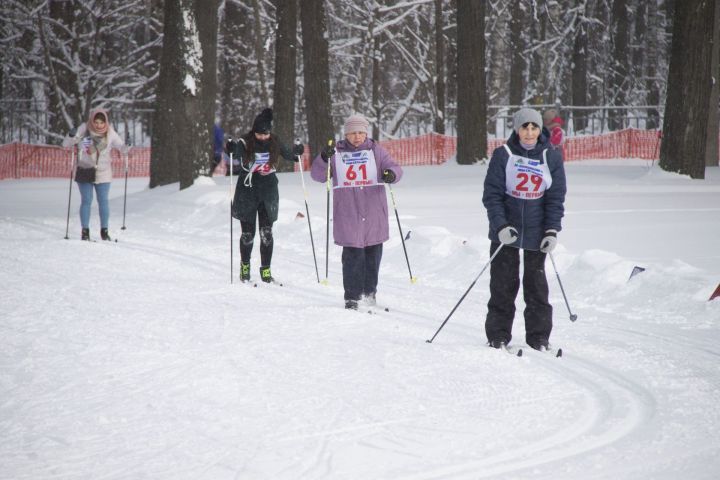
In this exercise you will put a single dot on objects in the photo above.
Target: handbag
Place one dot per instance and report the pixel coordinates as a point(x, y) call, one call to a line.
point(87, 174)
point(84, 174)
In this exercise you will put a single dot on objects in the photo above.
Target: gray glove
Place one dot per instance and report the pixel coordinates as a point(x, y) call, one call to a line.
point(549, 241)
point(507, 234)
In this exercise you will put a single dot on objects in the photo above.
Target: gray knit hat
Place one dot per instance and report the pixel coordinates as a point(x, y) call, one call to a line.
point(525, 115)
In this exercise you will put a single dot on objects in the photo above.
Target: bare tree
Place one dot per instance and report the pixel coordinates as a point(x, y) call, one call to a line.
point(711, 157)
point(651, 61)
point(180, 137)
point(472, 110)
point(518, 21)
point(439, 123)
point(580, 66)
point(285, 73)
point(619, 76)
point(316, 74)
point(689, 88)
point(260, 52)
point(66, 58)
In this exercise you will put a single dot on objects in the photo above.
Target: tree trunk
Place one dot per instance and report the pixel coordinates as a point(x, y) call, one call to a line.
point(689, 87)
point(376, 79)
point(619, 76)
point(285, 69)
point(652, 56)
point(517, 60)
point(180, 129)
point(580, 73)
point(472, 97)
point(259, 53)
point(316, 75)
point(207, 22)
point(711, 156)
point(439, 120)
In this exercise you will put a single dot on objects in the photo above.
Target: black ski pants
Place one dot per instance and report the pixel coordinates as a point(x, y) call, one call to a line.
point(247, 238)
point(360, 270)
point(504, 286)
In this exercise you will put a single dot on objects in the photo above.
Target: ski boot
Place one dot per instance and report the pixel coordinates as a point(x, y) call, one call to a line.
point(351, 304)
point(85, 234)
point(244, 272)
point(104, 234)
point(265, 275)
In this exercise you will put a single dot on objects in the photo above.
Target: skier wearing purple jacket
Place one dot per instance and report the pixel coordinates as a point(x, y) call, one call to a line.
point(358, 168)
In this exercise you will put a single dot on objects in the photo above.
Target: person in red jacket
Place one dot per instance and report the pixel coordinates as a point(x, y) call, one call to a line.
point(553, 122)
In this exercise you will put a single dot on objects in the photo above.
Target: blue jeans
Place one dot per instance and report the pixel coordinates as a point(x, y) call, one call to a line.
point(86, 195)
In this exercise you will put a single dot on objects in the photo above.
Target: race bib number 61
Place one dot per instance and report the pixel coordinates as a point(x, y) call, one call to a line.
point(355, 169)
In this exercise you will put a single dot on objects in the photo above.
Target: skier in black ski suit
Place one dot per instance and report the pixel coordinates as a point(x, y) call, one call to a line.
point(524, 194)
point(256, 192)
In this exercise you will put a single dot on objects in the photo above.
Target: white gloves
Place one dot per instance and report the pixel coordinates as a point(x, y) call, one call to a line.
point(547, 244)
point(507, 235)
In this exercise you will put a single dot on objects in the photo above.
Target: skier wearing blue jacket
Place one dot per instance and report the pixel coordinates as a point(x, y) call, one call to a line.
point(524, 194)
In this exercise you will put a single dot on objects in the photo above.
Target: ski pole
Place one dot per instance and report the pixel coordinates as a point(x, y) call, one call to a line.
point(573, 317)
point(230, 167)
point(127, 154)
point(72, 167)
point(402, 237)
point(327, 218)
point(466, 292)
point(307, 211)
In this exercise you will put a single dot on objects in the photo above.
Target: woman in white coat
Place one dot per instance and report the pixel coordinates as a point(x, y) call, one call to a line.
point(96, 138)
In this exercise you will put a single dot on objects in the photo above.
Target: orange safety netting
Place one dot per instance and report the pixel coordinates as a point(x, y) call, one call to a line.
point(21, 160)
point(18, 160)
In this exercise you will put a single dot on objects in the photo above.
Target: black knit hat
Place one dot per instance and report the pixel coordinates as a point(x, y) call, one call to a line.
point(263, 122)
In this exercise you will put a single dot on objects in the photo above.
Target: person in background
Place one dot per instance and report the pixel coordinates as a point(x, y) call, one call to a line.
point(358, 167)
point(256, 197)
point(524, 194)
point(97, 138)
point(218, 145)
point(553, 122)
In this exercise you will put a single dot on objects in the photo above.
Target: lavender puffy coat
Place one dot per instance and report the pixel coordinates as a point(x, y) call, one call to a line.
point(360, 215)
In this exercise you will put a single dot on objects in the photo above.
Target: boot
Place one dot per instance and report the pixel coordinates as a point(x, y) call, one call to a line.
point(351, 304)
point(265, 275)
point(104, 234)
point(85, 235)
point(244, 271)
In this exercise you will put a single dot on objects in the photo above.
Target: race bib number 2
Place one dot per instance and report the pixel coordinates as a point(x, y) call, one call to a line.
point(355, 169)
point(262, 164)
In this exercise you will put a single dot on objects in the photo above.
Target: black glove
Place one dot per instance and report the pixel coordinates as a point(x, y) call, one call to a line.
point(327, 152)
point(388, 176)
point(72, 132)
point(230, 146)
point(298, 149)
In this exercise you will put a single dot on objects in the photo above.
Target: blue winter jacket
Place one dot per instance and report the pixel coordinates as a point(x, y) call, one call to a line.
point(531, 217)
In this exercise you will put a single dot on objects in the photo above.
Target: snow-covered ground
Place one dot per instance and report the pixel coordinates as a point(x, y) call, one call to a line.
point(139, 359)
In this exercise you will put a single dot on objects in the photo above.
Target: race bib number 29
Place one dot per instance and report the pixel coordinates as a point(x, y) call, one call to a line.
point(355, 169)
point(526, 178)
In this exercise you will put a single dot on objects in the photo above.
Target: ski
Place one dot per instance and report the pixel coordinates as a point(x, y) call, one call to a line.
point(516, 352)
point(556, 352)
point(378, 309)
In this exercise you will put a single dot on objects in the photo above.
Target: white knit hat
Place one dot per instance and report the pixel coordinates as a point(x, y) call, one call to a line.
point(526, 115)
point(356, 123)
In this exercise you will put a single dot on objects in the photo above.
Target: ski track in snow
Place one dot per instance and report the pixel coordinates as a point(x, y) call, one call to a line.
point(168, 371)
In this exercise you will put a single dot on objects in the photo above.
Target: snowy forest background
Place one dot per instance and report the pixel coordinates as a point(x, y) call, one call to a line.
point(404, 64)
